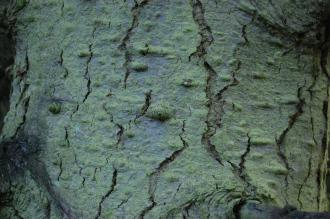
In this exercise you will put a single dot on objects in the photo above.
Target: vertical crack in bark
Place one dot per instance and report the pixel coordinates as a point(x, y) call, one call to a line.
point(87, 74)
point(62, 8)
point(237, 208)
point(292, 120)
point(22, 123)
point(61, 170)
point(22, 73)
point(66, 71)
point(323, 176)
point(136, 10)
point(145, 107)
point(243, 159)
point(305, 180)
point(201, 50)
point(160, 169)
point(120, 134)
point(112, 188)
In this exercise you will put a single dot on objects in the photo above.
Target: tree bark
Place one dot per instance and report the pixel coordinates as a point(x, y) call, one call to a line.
point(164, 109)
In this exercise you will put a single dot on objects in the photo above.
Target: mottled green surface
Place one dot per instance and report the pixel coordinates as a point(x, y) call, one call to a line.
point(169, 109)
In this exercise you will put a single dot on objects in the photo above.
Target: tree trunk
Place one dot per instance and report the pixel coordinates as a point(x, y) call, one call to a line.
point(164, 109)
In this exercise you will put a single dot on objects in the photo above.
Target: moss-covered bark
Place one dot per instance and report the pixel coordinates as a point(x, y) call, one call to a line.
point(166, 109)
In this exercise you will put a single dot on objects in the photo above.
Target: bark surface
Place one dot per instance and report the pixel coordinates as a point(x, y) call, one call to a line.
point(164, 109)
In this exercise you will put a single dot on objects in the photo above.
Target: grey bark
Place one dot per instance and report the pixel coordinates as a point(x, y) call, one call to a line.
point(164, 109)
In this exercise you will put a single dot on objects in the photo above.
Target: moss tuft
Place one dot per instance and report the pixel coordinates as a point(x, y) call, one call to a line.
point(259, 75)
point(84, 53)
point(138, 66)
point(161, 112)
point(55, 108)
point(187, 83)
point(259, 141)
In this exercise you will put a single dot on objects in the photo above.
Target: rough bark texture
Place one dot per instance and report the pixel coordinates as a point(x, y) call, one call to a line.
point(164, 109)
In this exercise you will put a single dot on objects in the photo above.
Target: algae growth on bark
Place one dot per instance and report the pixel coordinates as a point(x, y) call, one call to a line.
point(164, 109)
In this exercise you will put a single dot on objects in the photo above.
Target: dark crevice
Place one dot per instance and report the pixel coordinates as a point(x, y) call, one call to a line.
point(61, 170)
point(87, 73)
point(238, 207)
point(287, 212)
point(160, 169)
point(22, 123)
point(292, 120)
point(322, 174)
point(123, 202)
point(243, 159)
point(112, 188)
point(7, 55)
point(23, 154)
point(205, 33)
point(61, 62)
point(136, 10)
point(305, 180)
point(120, 134)
point(87, 70)
point(21, 73)
point(66, 136)
point(145, 107)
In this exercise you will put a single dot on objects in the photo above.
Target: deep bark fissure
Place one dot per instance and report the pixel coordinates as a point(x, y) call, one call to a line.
point(205, 33)
point(153, 180)
point(237, 208)
point(112, 188)
point(322, 173)
point(135, 11)
point(66, 71)
point(120, 134)
point(292, 120)
point(146, 105)
point(87, 73)
point(241, 165)
point(61, 170)
point(305, 180)
point(22, 73)
point(87, 70)
point(22, 123)
point(7, 56)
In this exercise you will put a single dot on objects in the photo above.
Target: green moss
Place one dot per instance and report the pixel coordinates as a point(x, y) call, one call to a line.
point(30, 19)
point(187, 83)
point(225, 78)
point(130, 133)
point(259, 141)
point(138, 66)
point(237, 107)
point(55, 108)
point(160, 112)
point(171, 177)
point(84, 53)
point(265, 105)
point(259, 75)
point(20, 4)
point(270, 61)
point(277, 169)
point(147, 26)
point(155, 50)
point(101, 22)
point(174, 143)
point(68, 27)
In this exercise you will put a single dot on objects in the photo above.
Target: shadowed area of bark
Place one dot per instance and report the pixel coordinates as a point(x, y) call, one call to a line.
point(7, 53)
point(254, 211)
